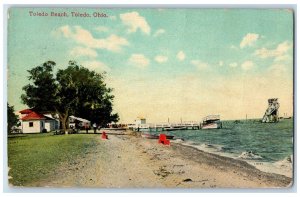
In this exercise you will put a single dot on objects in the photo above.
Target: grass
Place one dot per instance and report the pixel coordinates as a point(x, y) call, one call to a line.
point(33, 157)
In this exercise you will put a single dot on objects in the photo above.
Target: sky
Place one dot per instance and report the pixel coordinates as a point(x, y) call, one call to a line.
point(176, 64)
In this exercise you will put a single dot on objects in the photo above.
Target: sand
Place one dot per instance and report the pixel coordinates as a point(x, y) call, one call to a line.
point(125, 161)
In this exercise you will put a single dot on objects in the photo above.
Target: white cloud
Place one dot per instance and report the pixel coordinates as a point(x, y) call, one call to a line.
point(96, 66)
point(180, 56)
point(247, 65)
point(249, 40)
point(199, 64)
point(161, 58)
point(81, 36)
point(102, 29)
point(283, 47)
point(282, 58)
point(280, 50)
point(159, 32)
point(139, 60)
point(221, 63)
point(134, 21)
point(264, 53)
point(233, 64)
point(62, 31)
point(81, 51)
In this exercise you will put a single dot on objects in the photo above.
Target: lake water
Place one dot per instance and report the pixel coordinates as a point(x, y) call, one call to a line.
point(255, 142)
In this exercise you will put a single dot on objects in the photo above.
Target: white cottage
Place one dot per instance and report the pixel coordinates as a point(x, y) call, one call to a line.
point(34, 122)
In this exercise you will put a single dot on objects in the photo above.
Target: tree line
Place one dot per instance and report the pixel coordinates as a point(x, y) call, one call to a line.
point(74, 90)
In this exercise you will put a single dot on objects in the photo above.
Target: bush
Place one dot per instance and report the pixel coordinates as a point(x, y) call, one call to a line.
point(44, 131)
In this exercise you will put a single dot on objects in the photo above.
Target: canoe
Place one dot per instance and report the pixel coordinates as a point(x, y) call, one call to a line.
point(149, 136)
point(175, 128)
point(170, 137)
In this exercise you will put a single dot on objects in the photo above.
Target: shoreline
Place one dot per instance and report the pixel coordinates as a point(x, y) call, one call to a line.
point(125, 161)
point(280, 167)
point(232, 163)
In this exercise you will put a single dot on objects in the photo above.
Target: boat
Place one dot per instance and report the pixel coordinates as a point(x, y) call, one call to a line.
point(174, 128)
point(169, 137)
point(211, 122)
point(152, 136)
point(149, 136)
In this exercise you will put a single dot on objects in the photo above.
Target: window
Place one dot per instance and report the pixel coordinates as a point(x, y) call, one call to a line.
point(30, 124)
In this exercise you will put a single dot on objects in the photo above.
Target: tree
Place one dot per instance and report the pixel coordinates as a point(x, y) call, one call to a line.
point(12, 118)
point(42, 94)
point(73, 91)
point(101, 114)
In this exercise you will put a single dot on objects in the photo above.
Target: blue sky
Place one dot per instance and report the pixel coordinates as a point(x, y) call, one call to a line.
point(165, 63)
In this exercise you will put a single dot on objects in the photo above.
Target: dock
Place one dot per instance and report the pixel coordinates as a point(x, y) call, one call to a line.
point(187, 125)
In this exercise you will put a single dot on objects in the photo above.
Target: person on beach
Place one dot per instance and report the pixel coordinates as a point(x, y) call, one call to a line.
point(86, 128)
point(95, 127)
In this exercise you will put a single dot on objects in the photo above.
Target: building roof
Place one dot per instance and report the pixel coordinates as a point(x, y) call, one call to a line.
point(34, 116)
point(26, 111)
point(49, 116)
point(80, 119)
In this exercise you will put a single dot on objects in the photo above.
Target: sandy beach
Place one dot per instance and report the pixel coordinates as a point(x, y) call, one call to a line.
point(127, 161)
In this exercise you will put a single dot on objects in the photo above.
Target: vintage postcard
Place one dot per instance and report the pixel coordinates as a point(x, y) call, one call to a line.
point(150, 98)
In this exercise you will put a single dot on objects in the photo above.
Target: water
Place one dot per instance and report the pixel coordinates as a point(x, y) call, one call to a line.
point(268, 142)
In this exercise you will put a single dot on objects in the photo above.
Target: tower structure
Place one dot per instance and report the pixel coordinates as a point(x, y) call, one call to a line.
point(271, 114)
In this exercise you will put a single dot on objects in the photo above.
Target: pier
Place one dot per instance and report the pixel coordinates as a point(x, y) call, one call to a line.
point(166, 126)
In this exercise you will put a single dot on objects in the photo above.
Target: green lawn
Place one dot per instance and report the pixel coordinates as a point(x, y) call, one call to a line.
point(33, 157)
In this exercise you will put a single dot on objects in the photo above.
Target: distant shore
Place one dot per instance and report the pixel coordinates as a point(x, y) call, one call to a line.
point(126, 161)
